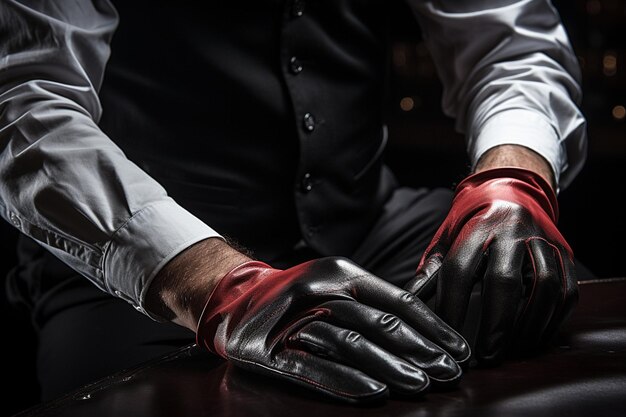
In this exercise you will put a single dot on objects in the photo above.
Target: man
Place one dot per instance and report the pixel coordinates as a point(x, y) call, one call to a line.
point(264, 120)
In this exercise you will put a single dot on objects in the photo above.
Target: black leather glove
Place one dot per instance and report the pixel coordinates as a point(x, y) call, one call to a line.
point(330, 326)
point(501, 231)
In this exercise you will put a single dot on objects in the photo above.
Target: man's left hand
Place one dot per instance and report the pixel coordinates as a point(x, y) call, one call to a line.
point(502, 230)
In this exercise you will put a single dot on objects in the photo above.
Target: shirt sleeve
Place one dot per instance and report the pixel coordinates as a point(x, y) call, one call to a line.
point(63, 182)
point(510, 76)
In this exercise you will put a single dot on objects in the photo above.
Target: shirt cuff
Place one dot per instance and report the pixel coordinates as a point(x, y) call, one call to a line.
point(519, 127)
point(144, 244)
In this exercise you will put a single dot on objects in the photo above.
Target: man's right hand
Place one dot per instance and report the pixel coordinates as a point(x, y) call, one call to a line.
point(331, 326)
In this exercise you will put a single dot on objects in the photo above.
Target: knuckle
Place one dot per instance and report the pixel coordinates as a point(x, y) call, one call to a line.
point(351, 336)
point(408, 297)
point(301, 287)
point(505, 274)
point(389, 322)
point(547, 276)
point(337, 265)
point(506, 279)
point(453, 266)
point(331, 260)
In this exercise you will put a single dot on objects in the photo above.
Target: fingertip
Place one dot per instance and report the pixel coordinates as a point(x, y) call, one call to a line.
point(444, 371)
point(376, 392)
point(457, 346)
point(416, 392)
point(410, 383)
point(424, 284)
point(461, 352)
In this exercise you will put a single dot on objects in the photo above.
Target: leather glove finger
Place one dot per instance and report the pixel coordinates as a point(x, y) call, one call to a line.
point(354, 350)
point(392, 334)
point(502, 292)
point(424, 284)
point(552, 294)
point(457, 276)
point(545, 291)
point(308, 370)
point(391, 299)
point(570, 295)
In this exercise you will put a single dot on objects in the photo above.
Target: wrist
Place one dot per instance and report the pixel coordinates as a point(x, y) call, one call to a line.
point(180, 290)
point(516, 156)
point(235, 288)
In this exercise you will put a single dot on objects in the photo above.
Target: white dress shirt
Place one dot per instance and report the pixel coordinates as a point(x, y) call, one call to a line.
point(509, 75)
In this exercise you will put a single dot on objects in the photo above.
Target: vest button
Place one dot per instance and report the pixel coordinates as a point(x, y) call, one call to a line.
point(295, 66)
point(309, 122)
point(297, 9)
point(306, 184)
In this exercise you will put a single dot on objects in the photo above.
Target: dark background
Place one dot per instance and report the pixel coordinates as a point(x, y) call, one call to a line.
point(424, 148)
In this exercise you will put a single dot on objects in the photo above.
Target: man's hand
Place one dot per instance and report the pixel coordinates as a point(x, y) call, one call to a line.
point(502, 230)
point(330, 326)
point(326, 324)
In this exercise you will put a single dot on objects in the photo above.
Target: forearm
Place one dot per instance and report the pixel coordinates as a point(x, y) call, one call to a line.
point(516, 156)
point(514, 82)
point(182, 287)
point(64, 182)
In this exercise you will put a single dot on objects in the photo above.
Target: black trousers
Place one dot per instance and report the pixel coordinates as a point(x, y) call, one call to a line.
point(85, 334)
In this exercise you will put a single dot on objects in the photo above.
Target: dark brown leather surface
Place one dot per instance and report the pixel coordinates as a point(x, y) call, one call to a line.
point(584, 375)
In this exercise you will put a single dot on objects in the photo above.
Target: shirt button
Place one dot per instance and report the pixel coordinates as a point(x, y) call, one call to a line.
point(295, 66)
point(297, 9)
point(309, 122)
point(306, 184)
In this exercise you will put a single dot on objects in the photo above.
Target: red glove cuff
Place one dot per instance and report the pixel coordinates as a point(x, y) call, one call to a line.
point(212, 325)
point(513, 184)
point(480, 192)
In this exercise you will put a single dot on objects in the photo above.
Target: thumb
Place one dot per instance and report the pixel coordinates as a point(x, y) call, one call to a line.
point(424, 284)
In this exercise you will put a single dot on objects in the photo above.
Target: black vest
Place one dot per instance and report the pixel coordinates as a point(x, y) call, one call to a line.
point(263, 118)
